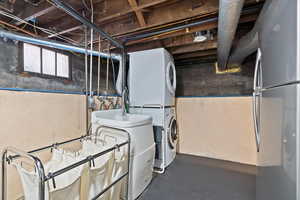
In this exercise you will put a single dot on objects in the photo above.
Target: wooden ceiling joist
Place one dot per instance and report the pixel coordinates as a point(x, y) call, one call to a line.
point(31, 12)
point(125, 19)
point(139, 14)
point(135, 9)
point(196, 54)
point(194, 47)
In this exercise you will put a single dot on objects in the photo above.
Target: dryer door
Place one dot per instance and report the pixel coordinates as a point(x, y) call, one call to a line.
point(171, 78)
point(172, 133)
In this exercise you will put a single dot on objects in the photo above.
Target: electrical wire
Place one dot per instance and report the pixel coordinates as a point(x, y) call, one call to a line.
point(47, 31)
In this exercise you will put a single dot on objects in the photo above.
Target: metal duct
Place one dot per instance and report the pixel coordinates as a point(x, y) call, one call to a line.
point(229, 16)
point(249, 43)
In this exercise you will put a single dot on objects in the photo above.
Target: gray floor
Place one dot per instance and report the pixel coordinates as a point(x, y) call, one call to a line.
point(195, 178)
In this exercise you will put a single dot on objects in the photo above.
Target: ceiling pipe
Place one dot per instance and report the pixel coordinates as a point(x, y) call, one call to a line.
point(72, 12)
point(249, 43)
point(52, 44)
point(247, 11)
point(229, 16)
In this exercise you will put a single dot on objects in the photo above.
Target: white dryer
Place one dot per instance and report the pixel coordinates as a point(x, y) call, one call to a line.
point(152, 78)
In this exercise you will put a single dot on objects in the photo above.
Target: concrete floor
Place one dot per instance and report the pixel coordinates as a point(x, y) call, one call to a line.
point(195, 178)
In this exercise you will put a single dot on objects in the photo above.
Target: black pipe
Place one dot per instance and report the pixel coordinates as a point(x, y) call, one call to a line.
point(71, 11)
point(176, 28)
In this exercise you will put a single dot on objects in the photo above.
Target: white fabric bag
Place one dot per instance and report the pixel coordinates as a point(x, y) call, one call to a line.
point(30, 183)
point(67, 184)
point(101, 171)
point(111, 138)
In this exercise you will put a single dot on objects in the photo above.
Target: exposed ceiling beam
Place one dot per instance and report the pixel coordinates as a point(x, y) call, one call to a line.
point(31, 12)
point(206, 26)
point(166, 43)
point(132, 9)
point(194, 47)
point(179, 11)
point(138, 13)
point(65, 31)
point(18, 28)
point(178, 37)
point(197, 54)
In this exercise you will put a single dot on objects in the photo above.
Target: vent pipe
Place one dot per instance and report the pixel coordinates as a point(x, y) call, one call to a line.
point(249, 43)
point(229, 16)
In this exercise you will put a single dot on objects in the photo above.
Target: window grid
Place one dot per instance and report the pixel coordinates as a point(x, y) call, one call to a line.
point(58, 73)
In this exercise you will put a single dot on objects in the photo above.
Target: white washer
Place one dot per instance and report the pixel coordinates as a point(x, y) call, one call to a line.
point(152, 78)
point(171, 138)
point(165, 133)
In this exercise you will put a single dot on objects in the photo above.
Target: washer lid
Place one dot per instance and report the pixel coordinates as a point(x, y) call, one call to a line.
point(114, 118)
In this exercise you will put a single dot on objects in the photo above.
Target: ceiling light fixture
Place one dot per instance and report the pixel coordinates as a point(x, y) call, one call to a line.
point(201, 36)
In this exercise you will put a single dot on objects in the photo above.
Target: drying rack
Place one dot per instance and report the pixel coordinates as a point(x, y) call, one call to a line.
point(43, 178)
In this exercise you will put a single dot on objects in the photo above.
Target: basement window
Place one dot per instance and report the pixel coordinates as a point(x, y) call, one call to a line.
point(45, 62)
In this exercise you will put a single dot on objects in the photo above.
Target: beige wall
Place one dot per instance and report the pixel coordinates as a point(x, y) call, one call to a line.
point(30, 120)
point(220, 128)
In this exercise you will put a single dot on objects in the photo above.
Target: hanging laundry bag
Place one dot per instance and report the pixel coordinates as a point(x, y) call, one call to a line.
point(119, 169)
point(30, 183)
point(120, 164)
point(100, 170)
point(83, 182)
point(67, 185)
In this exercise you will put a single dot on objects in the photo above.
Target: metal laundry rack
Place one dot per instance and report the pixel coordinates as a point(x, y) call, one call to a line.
point(39, 166)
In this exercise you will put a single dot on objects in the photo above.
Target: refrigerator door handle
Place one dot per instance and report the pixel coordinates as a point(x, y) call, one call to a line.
point(256, 93)
point(256, 129)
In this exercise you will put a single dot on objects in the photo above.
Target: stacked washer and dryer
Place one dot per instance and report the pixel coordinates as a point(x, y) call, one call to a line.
point(152, 85)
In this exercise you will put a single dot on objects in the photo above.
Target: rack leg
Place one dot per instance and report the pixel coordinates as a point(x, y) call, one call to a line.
point(3, 176)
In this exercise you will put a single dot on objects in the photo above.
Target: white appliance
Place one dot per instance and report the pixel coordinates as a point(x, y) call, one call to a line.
point(277, 102)
point(152, 78)
point(142, 149)
point(165, 134)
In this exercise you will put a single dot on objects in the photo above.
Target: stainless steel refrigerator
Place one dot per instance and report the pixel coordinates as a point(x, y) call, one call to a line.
point(277, 102)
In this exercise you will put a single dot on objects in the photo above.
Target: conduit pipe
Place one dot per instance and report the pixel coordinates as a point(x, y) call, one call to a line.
point(229, 16)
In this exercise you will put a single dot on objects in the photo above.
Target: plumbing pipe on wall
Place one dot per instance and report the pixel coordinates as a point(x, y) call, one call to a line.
point(229, 16)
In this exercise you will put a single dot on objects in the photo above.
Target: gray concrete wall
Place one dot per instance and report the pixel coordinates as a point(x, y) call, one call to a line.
point(201, 80)
point(12, 77)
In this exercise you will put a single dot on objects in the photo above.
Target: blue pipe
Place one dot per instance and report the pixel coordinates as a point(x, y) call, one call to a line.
point(53, 44)
point(52, 91)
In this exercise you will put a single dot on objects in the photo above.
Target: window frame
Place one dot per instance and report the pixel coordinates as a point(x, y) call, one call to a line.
point(22, 70)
